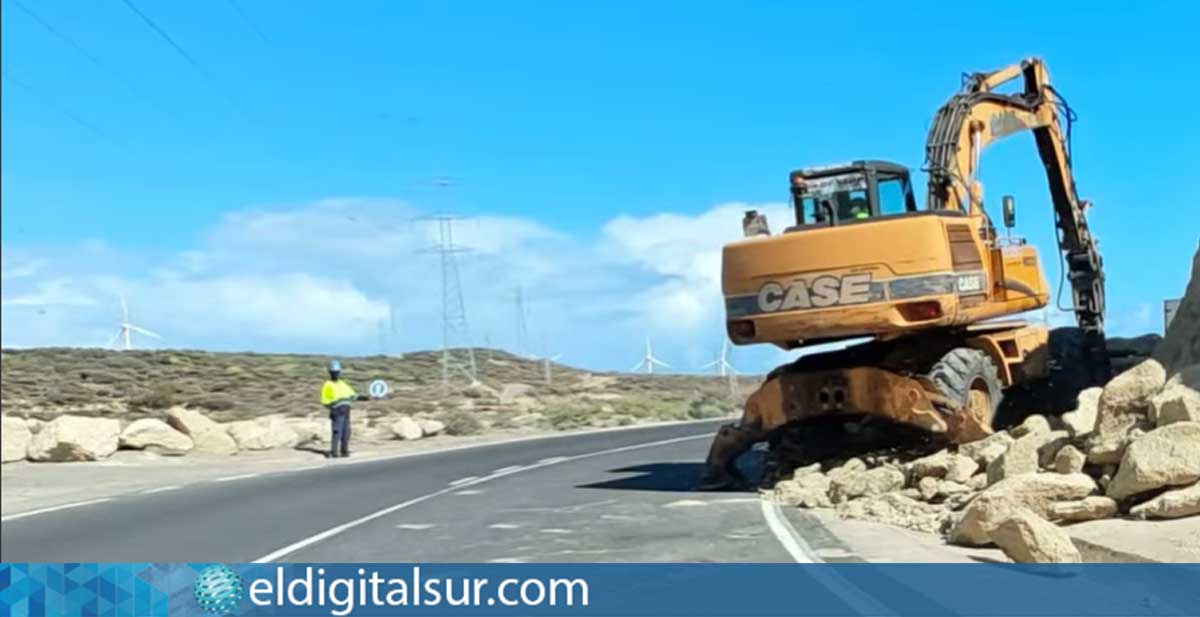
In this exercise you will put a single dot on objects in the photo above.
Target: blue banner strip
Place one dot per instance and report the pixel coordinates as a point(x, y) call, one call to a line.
point(618, 590)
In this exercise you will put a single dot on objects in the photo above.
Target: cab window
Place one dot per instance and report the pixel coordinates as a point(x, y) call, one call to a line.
point(892, 197)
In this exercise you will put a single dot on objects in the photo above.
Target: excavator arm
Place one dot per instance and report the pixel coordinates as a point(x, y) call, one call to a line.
point(977, 116)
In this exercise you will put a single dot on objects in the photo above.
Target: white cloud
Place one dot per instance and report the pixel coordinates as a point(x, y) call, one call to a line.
point(321, 277)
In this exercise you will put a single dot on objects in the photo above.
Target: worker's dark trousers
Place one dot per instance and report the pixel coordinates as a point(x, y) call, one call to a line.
point(340, 417)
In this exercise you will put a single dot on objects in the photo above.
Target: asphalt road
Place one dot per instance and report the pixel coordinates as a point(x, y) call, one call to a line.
point(607, 496)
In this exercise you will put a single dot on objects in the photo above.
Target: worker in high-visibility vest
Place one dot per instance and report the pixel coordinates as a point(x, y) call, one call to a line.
point(336, 395)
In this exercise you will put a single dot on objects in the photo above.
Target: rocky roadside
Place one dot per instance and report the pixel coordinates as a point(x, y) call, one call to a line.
point(1131, 449)
point(184, 431)
point(1127, 454)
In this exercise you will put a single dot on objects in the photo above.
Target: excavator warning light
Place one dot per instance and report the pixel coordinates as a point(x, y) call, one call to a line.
point(920, 311)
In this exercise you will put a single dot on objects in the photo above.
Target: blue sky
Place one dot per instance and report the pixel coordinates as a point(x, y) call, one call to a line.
point(262, 197)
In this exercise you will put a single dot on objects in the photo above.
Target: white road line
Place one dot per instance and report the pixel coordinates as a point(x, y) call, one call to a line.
point(162, 489)
point(329, 533)
point(857, 599)
point(800, 551)
point(65, 506)
point(508, 469)
point(548, 461)
point(462, 481)
point(239, 477)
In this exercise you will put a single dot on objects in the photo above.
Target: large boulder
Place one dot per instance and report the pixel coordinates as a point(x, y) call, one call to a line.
point(208, 437)
point(1176, 403)
point(407, 429)
point(1025, 455)
point(311, 431)
point(431, 427)
point(1124, 406)
point(1167, 456)
point(1176, 503)
point(280, 433)
point(878, 481)
point(1082, 420)
point(155, 436)
point(75, 438)
point(1038, 492)
point(944, 465)
point(250, 435)
point(1181, 345)
point(14, 439)
point(1086, 509)
point(1028, 538)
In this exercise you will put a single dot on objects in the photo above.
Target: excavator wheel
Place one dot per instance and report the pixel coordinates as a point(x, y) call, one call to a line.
point(969, 377)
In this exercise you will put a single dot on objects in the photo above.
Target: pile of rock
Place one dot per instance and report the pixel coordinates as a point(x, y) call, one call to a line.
point(183, 430)
point(1131, 448)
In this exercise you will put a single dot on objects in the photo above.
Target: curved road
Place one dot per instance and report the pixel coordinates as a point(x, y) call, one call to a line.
point(603, 496)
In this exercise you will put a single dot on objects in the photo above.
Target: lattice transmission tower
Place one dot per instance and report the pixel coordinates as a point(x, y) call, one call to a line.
point(458, 350)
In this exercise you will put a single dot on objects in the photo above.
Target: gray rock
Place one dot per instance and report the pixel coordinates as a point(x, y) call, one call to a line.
point(155, 436)
point(943, 465)
point(1069, 460)
point(852, 484)
point(1176, 403)
point(1176, 503)
point(1033, 425)
point(806, 491)
point(407, 429)
point(430, 427)
point(208, 437)
point(1167, 456)
point(1034, 491)
point(1082, 420)
point(1024, 455)
point(249, 435)
point(896, 509)
point(1056, 440)
point(14, 439)
point(75, 438)
point(1028, 538)
point(1124, 405)
point(1086, 509)
point(986, 450)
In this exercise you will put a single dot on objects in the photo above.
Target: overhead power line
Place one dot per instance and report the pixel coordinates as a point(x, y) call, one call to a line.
point(63, 110)
point(209, 79)
point(73, 44)
point(249, 22)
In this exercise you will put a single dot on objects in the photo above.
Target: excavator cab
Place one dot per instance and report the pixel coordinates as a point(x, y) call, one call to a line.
point(851, 192)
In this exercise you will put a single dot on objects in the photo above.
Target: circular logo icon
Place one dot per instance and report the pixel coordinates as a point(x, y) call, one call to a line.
point(218, 590)
point(378, 388)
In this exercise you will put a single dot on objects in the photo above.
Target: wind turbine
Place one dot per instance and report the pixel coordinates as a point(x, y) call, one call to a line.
point(649, 361)
point(127, 329)
point(721, 365)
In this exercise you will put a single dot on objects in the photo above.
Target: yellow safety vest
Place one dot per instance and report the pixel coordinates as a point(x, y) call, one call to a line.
point(337, 392)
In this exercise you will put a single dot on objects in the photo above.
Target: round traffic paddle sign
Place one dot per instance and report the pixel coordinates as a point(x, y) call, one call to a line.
point(378, 389)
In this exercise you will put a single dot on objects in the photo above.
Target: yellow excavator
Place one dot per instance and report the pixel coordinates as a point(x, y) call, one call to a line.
point(935, 289)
